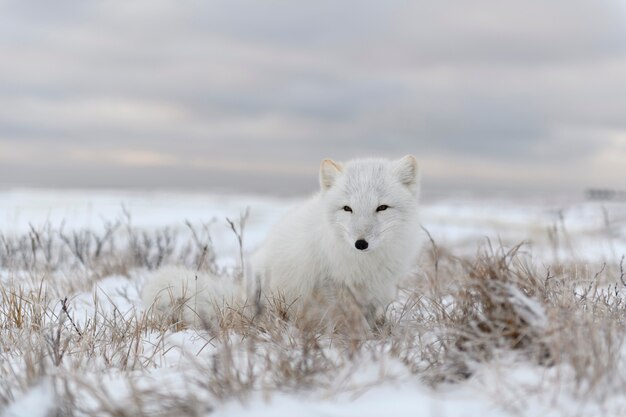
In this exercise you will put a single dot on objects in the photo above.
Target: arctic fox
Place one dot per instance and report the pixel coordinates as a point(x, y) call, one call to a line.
point(358, 235)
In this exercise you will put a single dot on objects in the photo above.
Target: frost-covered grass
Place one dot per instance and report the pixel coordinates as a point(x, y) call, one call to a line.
point(491, 328)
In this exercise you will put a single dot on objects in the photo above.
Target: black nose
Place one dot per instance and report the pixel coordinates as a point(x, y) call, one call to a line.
point(361, 244)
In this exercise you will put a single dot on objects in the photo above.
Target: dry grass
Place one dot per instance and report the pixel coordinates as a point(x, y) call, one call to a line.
point(452, 316)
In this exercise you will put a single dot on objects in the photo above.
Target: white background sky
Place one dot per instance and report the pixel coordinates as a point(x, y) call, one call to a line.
point(250, 95)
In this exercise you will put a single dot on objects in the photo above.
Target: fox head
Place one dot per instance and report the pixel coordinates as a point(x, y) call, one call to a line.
point(370, 201)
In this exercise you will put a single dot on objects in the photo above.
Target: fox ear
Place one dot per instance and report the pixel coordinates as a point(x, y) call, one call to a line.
point(407, 172)
point(329, 171)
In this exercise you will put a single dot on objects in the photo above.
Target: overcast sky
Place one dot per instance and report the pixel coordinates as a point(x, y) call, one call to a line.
point(251, 95)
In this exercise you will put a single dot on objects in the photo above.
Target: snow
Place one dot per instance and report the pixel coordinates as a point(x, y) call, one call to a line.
point(38, 401)
point(109, 294)
point(391, 399)
point(376, 390)
point(77, 209)
point(591, 230)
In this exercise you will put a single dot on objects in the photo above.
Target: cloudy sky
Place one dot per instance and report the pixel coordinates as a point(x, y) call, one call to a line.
point(251, 95)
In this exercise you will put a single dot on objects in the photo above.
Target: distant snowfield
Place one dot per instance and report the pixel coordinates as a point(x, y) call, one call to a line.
point(76, 209)
point(589, 231)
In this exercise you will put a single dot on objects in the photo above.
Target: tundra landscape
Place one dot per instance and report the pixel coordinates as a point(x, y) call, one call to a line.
point(142, 138)
point(514, 307)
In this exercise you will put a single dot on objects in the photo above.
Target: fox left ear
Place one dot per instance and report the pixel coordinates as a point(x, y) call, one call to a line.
point(407, 172)
point(329, 171)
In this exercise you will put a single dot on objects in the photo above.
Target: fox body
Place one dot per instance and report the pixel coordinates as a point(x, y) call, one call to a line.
point(358, 235)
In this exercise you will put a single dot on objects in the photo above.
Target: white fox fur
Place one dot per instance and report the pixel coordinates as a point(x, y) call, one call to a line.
point(313, 248)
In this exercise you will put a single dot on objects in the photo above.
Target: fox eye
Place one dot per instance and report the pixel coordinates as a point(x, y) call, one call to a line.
point(382, 208)
point(347, 208)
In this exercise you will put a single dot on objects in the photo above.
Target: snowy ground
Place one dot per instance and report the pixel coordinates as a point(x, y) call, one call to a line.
point(559, 231)
point(592, 230)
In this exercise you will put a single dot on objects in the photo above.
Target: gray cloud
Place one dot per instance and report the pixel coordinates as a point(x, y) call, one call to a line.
point(163, 92)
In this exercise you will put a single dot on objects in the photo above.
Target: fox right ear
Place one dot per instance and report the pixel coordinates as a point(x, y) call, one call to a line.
point(408, 173)
point(329, 171)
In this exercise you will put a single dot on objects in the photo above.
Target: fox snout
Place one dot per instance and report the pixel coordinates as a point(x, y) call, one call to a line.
point(361, 244)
